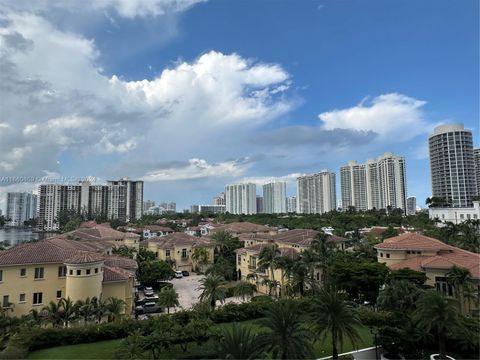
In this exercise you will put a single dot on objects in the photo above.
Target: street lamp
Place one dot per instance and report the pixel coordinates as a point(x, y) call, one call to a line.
point(374, 332)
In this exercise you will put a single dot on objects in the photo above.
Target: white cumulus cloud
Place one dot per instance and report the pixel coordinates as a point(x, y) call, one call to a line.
point(393, 116)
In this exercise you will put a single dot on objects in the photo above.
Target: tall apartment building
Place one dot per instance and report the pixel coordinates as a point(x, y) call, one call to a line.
point(316, 194)
point(379, 183)
point(21, 206)
point(476, 160)
point(411, 205)
point(291, 204)
point(260, 205)
point(275, 198)
point(90, 200)
point(220, 199)
point(241, 198)
point(168, 207)
point(207, 209)
point(148, 204)
point(353, 185)
point(452, 166)
point(134, 197)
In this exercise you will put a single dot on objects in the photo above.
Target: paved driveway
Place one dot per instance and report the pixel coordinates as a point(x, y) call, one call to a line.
point(186, 288)
point(188, 294)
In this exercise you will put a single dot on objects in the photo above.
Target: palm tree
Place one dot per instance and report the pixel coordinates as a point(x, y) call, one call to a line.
point(115, 308)
point(222, 240)
point(213, 289)
point(68, 311)
point(86, 309)
point(168, 298)
point(53, 313)
point(269, 259)
point(332, 315)
point(201, 257)
point(462, 281)
point(435, 314)
point(244, 290)
point(238, 342)
point(287, 337)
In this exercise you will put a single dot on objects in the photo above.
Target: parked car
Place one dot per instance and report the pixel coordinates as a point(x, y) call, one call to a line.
point(151, 307)
point(148, 291)
point(139, 310)
point(185, 273)
point(178, 274)
point(150, 298)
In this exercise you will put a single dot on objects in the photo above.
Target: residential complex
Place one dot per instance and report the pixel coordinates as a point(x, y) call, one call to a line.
point(133, 197)
point(90, 200)
point(353, 186)
point(316, 194)
point(411, 205)
point(432, 257)
point(75, 265)
point(291, 204)
point(220, 199)
point(275, 198)
point(290, 243)
point(147, 205)
point(455, 215)
point(21, 206)
point(241, 199)
point(378, 184)
point(179, 248)
point(207, 209)
point(260, 206)
point(452, 165)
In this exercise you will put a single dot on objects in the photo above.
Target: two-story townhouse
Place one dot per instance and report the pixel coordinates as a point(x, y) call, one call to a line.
point(178, 248)
point(432, 257)
point(33, 274)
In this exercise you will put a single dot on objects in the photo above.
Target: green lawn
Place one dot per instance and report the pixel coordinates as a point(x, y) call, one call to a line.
point(107, 349)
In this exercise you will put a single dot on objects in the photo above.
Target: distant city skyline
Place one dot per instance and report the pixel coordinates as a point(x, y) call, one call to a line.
point(173, 94)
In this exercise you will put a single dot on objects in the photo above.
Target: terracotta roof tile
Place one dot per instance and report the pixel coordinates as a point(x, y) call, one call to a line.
point(115, 274)
point(243, 227)
point(83, 257)
point(412, 241)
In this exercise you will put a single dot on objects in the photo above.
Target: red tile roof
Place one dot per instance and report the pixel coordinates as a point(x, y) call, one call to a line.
point(242, 227)
point(412, 241)
point(115, 274)
point(83, 257)
point(171, 240)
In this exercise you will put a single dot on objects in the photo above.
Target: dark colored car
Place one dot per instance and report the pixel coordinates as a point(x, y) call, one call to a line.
point(185, 273)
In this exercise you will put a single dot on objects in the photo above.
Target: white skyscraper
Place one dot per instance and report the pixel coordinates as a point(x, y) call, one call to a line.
point(452, 166)
point(353, 186)
point(21, 206)
point(275, 198)
point(134, 197)
point(378, 184)
point(411, 205)
point(476, 160)
point(316, 193)
point(292, 204)
point(241, 199)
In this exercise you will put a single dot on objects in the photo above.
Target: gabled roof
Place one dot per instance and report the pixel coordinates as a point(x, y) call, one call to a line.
point(242, 227)
point(412, 241)
point(111, 274)
point(178, 239)
point(93, 231)
point(303, 237)
point(121, 262)
point(158, 228)
point(257, 248)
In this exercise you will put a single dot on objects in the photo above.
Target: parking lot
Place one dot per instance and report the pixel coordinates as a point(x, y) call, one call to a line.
point(186, 288)
point(188, 294)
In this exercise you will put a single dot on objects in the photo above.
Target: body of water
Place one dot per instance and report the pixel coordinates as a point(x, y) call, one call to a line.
point(15, 235)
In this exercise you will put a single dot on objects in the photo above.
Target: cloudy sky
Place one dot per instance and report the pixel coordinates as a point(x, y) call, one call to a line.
point(190, 95)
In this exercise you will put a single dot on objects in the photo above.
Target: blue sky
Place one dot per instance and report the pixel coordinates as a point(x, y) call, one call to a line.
point(191, 95)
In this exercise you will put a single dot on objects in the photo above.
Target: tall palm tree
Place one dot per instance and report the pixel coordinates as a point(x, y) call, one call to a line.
point(213, 289)
point(53, 313)
point(238, 342)
point(462, 281)
point(332, 315)
point(436, 314)
point(86, 309)
point(244, 290)
point(222, 240)
point(68, 311)
point(115, 308)
point(286, 336)
point(201, 257)
point(168, 298)
point(269, 259)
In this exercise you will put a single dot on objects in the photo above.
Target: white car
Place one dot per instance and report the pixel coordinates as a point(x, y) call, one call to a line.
point(178, 274)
